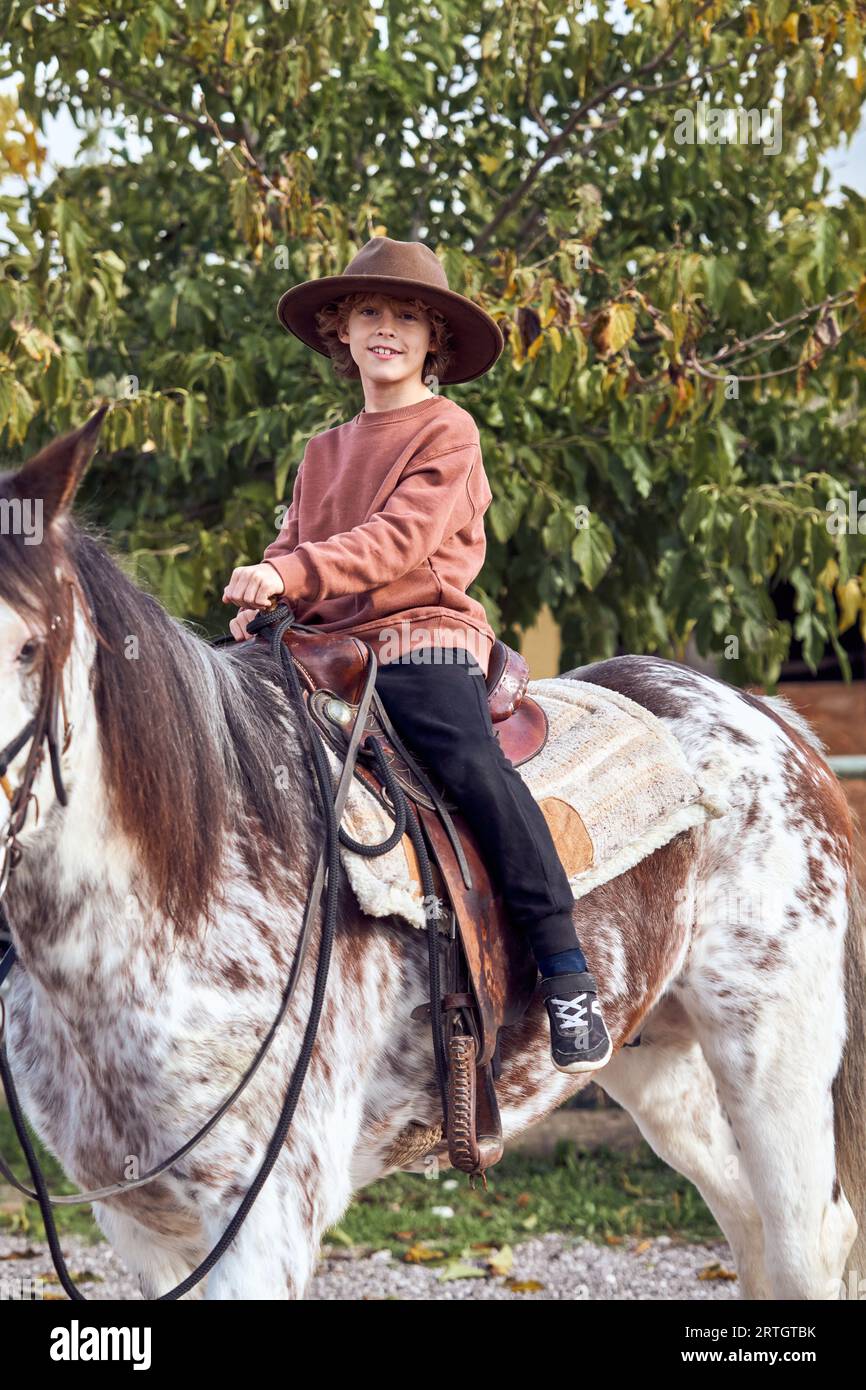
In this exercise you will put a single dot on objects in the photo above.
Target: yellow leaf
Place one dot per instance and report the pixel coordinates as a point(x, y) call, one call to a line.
point(501, 1261)
point(611, 377)
point(615, 328)
point(679, 323)
point(851, 599)
point(417, 1253)
point(716, 1271)
point(829, 574)
point(489, 162)
point(556, 338)
point(791, 27)
point(35, 343)
point(514, 338)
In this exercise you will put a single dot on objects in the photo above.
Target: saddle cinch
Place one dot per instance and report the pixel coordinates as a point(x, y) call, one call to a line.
point(489, 971)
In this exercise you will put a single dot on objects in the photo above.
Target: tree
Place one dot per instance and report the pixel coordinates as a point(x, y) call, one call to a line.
point(678, 411)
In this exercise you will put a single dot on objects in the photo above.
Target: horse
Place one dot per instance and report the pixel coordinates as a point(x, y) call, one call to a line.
point(155, 916)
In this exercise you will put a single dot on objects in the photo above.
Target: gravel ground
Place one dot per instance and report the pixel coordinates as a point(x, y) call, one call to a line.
point(546, 1267)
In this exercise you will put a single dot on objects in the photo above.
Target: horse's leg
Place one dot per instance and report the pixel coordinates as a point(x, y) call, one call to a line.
point(772, 1029)
point(668, 1089)
point(274, 1254)
point(271, 1257)
point(159, 1262)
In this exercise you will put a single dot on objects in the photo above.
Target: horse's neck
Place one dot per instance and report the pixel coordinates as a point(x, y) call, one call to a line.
point(72, 895)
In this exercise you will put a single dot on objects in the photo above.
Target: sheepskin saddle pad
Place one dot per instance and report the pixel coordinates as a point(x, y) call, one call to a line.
point(612, 781)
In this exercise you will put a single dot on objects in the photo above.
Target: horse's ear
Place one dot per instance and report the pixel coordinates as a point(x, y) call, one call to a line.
point(53, 475)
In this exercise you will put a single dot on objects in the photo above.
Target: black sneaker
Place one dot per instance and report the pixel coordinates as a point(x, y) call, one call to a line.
point(579, 1040)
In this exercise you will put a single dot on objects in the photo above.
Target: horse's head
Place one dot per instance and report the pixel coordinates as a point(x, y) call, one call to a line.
point(167, 763)
point(37, 608)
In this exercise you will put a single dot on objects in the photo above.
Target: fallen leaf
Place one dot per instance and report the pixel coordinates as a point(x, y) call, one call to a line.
point(502, 1261)
point(458, 1269)
point(716, 1271)
point(418, 1253)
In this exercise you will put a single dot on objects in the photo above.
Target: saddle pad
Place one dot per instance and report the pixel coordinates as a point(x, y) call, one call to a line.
point(612, 781)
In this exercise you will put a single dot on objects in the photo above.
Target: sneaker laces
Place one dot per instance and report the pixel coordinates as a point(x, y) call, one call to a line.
point(571, 1013)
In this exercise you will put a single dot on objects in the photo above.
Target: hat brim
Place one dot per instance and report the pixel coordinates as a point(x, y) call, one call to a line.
point(476, 337)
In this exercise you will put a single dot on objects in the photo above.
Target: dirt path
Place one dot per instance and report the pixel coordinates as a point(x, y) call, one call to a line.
point(546, 1267)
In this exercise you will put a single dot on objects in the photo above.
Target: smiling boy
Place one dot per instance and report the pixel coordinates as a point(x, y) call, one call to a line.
point(384, 535)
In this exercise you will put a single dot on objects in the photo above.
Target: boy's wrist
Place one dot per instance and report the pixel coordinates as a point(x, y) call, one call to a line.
point(300, 579)
point(279, 576)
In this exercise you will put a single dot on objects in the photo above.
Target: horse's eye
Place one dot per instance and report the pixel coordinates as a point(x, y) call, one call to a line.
point(27, 653)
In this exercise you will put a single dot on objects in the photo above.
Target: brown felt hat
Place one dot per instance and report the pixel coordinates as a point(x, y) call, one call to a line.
point(405, 270)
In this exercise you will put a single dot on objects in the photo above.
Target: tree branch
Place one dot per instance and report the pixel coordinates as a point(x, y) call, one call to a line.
point(614, 121)
point(151, 103)
point(559, 140)
point(838, 301)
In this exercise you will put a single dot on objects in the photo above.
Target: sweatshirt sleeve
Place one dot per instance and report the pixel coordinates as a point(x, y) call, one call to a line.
point(287, 539)
point(430, 503)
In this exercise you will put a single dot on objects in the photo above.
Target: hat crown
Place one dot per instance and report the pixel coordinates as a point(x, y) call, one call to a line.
point(399, 260)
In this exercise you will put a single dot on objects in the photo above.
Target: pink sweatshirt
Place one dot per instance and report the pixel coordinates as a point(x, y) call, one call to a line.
point(385, 532)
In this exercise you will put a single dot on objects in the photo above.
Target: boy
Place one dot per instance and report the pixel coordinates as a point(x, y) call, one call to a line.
point(384, 535)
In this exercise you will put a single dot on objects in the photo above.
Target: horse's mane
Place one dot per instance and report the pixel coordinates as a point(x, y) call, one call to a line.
point(193, 740)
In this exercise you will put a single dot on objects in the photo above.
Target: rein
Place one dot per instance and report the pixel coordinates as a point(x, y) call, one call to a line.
point(44, 727)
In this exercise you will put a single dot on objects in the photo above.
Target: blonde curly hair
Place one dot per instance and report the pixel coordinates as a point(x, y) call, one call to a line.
point(335, 316)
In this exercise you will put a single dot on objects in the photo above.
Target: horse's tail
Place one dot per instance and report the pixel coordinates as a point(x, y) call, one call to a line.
point(849, 1084)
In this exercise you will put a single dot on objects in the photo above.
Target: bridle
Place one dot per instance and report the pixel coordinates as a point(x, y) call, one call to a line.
point(43, 727)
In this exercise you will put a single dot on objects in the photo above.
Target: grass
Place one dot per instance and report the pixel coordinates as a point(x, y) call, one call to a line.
point(23, 1217)
point(599, 1194)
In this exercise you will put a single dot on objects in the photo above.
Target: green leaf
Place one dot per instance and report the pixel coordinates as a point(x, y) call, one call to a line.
point(592, 550)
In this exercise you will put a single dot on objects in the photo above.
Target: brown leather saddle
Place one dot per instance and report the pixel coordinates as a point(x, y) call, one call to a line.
point(489, 969)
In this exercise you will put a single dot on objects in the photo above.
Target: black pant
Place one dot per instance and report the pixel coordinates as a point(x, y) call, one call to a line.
point(439, 709)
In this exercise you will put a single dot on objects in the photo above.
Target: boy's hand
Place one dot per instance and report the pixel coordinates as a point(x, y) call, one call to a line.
point(253, 586)
point(238, 625)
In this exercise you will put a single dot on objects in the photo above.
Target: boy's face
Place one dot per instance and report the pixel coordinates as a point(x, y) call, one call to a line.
point(392, 324)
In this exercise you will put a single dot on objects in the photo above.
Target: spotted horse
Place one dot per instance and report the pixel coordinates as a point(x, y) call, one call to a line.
point(155, 925)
